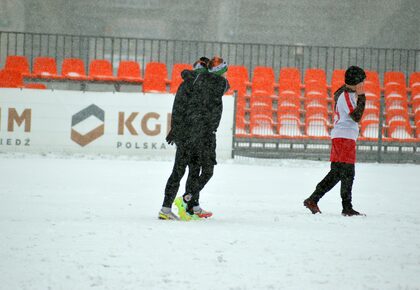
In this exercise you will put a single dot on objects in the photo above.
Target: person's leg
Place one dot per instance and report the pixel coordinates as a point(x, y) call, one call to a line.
point(207, 161)
point(205, 176)
point(326, 184)
point(192, 182)
point(347, 177)
point(174, 180)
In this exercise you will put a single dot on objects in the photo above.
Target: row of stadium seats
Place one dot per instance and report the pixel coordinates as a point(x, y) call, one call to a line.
point(156, 77)
point(73, 69)
point(264, 118)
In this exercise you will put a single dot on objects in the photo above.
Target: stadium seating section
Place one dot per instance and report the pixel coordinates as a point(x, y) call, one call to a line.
point(266, 107)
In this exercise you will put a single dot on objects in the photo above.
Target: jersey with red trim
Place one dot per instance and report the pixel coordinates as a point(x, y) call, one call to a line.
point(344, 125)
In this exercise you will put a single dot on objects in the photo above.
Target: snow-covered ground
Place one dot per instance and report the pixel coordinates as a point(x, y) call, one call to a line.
point(91, 223)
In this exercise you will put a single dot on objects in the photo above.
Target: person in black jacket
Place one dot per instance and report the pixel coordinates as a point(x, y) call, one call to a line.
point(179, 135)
point(203, 114)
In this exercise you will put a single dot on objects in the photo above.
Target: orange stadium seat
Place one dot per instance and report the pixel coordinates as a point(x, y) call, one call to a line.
point(337, 80)
point(396, 114)
point(289, 74)
point(261, 102)
point(237, 76)
point(129, 71)
point(369, 128)
point(176, 79)
point(289, 88)
point(400, 129)
point(289, 122)
point(263, 72)
point(261, 126)
point(373, 95)
point(240, 118)
point(101, 70)
point(316, 111)
point(315, 91)
point(288, 112)
point(416, 112)
point(396, 104)
point(317, 128)
point(395, 92)
point(11, 79)
point(289, 127)
point(415, 80)
point(314, 75)
point(372, 91)
point(261, 121)
point(288, 101)
point(17, 63)
point(45, 68)
point(415, 93)
point(370, 114)
point(316, 119)
point(415, 98)
point(372, 78)
point(262, 87)
point(155, 78)
point(393, 78)
point(74, 69)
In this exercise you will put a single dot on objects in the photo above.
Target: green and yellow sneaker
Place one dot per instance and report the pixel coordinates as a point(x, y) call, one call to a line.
point(182, 210)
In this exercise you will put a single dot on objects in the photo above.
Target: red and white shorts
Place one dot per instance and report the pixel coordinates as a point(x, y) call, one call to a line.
point(343, 150)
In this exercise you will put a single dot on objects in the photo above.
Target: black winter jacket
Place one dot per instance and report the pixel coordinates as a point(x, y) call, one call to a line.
point(179, 122)
point(205, 107)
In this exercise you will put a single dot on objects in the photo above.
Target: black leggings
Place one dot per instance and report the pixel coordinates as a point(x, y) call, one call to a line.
point(197, 178)
point(181, 162)
point(343, 172)
point(200, 172)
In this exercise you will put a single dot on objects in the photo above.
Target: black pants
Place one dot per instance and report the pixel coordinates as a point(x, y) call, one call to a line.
point(200, 163)
point(201, 168)
point(199, 175)
point(343, 172)
point(182, 160)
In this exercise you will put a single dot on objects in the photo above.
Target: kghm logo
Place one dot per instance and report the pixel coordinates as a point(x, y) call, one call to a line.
point(87, 125)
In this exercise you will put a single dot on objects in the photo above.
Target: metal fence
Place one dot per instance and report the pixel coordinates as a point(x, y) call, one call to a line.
point(114, 49)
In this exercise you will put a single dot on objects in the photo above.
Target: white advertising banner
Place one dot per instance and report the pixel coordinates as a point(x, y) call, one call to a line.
point(45, 121)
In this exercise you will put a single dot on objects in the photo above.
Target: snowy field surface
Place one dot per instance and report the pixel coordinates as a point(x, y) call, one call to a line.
point(91, 223)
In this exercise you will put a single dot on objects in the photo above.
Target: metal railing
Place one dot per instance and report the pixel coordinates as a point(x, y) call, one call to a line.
point(114, 49)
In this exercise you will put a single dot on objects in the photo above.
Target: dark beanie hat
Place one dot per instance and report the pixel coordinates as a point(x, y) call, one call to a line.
point(354, 75)
point(200, 66)
point(205, 60)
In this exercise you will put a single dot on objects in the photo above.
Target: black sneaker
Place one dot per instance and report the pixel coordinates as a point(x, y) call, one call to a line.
point(311, 205)
point(350, 212)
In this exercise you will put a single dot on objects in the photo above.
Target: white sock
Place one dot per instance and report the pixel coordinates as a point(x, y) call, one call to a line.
point(166, 209)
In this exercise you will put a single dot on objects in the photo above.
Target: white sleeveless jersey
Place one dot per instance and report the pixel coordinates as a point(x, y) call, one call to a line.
point(344, 125)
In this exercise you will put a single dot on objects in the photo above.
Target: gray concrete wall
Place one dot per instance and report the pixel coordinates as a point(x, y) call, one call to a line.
point(371, 23)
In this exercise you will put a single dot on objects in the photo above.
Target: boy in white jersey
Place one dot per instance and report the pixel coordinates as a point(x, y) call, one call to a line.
point(349, 106)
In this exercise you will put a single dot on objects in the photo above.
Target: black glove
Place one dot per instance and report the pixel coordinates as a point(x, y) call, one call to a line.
point(170, 138)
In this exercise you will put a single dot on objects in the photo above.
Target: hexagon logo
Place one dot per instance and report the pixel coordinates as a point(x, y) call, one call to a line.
point(87, 125)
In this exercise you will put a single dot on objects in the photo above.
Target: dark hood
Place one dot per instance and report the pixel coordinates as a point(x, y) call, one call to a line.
point(188, 74)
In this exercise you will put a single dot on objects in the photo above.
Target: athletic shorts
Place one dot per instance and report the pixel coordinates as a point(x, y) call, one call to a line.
point(343, 150)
